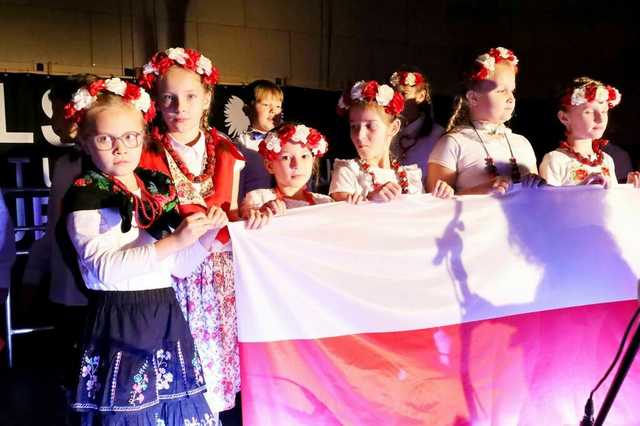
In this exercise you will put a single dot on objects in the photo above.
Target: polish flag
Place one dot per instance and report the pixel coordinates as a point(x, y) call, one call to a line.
point(473, 311)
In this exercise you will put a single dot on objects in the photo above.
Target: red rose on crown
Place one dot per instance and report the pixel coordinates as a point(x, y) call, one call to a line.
point(396, 106)
point(131, 92)
point(370, 90)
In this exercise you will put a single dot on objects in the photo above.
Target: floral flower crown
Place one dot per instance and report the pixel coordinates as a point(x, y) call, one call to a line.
point(369, 92)
point(187, 58)
point(86, 96)
point(486, 63)
point(404, 78)
point(592, 92)
point(272, 144)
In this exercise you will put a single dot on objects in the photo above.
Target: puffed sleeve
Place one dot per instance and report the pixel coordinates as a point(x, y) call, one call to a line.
point(343, 178)
point(446, 153)
point(101, 252)
point(553, 169)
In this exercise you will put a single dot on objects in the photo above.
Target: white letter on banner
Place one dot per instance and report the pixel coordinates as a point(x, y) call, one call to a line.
point(10, 137)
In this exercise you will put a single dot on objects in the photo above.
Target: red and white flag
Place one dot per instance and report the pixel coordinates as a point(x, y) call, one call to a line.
point(472, 311)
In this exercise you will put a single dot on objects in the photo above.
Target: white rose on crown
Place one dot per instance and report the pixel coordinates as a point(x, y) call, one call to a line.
point(149, 69)
point(82, 99)
point(602, 94)
point(301, 134)
point(578, 97)
point(143, 103)
point(177, 54)
point(204, 65)
point(487, 61)
point(384, 95)
point(410, 80)
point(356, 91)
point(115, 85)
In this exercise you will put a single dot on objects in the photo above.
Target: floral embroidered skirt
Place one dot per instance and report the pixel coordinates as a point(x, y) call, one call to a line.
point(139, 365)
point(207, 299)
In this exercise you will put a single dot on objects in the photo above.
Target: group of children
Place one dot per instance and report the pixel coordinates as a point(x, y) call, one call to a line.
point(146, 214)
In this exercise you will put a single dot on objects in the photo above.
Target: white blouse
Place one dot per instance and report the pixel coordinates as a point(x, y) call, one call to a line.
point(110, 260)
point(348, 176)
point(558, 168)
point(259, 197)
point(461, 150)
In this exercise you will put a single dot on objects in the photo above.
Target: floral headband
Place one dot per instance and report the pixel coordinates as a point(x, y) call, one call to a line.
point(404, 78)
point(592, 92)
point(272, 144)
point(486, 63)
point(370, 92)
point(187, 58)
point(86, 96)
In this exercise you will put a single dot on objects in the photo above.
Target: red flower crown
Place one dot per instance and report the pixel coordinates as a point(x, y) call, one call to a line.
point(272, 144)
point(86, 96)
point(405, 78)
point(592, 92)
point(372, 92)
point(486, 63)
point(190, 59)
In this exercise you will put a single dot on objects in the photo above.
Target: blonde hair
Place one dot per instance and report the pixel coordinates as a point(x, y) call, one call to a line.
point(104, 100)
point(461, 114)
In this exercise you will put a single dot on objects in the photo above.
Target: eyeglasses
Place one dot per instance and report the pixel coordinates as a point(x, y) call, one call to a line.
point(107, 142)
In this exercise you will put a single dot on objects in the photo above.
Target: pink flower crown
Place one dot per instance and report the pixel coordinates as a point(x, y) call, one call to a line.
point(405, 78)
point(592, 92)
point(486, 63)
point(86, 96)
point(187, 58)
point(372, 92)
point(272, 144)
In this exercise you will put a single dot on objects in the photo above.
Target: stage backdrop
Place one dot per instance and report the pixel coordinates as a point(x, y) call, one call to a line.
point(480, 310)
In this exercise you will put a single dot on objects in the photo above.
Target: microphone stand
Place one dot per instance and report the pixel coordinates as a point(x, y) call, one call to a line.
point(621, 374)
point(627, 360)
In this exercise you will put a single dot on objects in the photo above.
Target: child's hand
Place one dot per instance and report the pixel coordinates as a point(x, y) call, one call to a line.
point(597, 179)
point(191, 228)
point(218, 217)
point(634, 179)
point(500, 185)
point(256, 219)
point(275, 206)
point(387, 192)
point(355, 198)
point(442, 190)
point(533, 180)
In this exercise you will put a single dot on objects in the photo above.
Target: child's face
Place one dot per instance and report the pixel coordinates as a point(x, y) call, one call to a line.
point(182, 100)
point(494, 101)
point(116, 157)
point(266, 113)
point(293, 167)
point(413, 97)
point(371, 134)
point(586, 121)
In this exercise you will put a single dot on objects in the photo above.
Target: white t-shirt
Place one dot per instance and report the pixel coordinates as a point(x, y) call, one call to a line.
point(111, 260)
point(349, 177)
point(461, 150)
point(417, 148)
point(559, 168)
point(258, 197)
